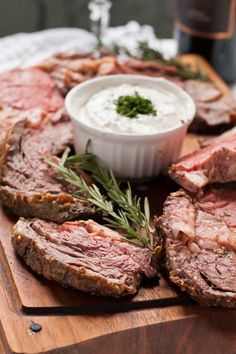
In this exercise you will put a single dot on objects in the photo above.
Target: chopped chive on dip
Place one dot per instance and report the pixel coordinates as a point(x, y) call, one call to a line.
point(132, 106)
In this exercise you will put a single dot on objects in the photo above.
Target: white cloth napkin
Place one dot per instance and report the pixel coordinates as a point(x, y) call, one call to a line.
point(26, 49)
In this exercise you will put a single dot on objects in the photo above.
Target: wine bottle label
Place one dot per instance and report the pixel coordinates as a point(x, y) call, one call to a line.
point(206, 18)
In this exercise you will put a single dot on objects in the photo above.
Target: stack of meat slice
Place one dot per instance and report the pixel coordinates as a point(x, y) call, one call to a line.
point(81, 254)
point(27, 93)
point(215, 112)
point(28, 185)
point(70, 70)
point(197, 230)
point(32, 113)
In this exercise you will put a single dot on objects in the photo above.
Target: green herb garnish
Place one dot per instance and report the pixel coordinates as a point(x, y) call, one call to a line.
point(123, 210)
point(132, 106)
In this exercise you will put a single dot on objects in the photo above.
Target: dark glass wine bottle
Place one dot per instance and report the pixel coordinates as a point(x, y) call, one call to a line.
point(208, 28)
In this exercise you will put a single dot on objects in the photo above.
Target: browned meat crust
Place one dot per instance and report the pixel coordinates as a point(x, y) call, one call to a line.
point(84, 255)
point(197, 237)
point(28, 185)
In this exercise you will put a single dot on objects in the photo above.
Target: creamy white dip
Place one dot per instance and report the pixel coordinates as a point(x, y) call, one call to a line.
point(100, 111)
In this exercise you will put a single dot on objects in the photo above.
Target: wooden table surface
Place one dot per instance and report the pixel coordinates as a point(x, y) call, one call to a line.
point(160, 319)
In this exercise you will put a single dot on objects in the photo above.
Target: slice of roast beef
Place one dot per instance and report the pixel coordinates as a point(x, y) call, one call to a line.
point(70, 70)
point(212, 164)
point(84, 255)
point(215, 112)
point(28, 185)
point(214, 117)
point(198, 236)
point(29, 88)
point(27, 93)
point(202, 91)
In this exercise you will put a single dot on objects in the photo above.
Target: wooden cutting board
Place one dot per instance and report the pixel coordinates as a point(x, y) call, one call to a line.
point(159, 319)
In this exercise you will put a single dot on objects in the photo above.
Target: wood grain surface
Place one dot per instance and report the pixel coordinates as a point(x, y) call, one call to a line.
point(160, 319)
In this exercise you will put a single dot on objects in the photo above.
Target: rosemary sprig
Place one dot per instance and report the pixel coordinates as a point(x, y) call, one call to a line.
point(144, 52)
point(122, 208)
point(183, 70)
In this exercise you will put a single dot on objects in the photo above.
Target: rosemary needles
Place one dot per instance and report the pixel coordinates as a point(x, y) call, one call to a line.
point(183, 70)
point(146, 53)
point(122, 210)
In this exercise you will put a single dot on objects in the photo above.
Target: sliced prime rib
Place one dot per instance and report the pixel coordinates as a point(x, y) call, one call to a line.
point(215, 112)
point(214, 163)
point(150, 68)
point(28, 185)
point(27, 93)
point(84, 255)
point(29, 88)
point(70, 70)
point(198, 238)
point(214, 117)
point(202, 91)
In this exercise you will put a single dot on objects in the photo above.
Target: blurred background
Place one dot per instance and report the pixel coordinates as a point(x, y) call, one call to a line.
point(34, 15)
point(17, 16)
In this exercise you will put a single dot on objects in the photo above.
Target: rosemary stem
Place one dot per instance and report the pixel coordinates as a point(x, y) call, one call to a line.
point(128, 217)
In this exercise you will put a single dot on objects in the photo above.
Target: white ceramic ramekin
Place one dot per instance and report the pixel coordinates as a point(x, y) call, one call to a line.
point(128, 156)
